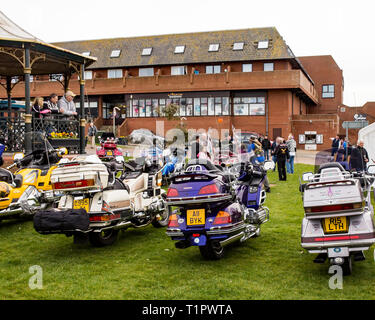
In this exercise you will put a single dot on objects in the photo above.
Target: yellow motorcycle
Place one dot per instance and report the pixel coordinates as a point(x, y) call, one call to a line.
point(29, 189)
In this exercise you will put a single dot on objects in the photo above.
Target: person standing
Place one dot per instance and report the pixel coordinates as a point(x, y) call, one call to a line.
point(92, 133)
point(51, 103)
point(196, 147)
point(335, 145)
point(266, 145)
point(282, 155)
point(359, 157)
point(273, 149)
point(292, 148)
point(66, 104)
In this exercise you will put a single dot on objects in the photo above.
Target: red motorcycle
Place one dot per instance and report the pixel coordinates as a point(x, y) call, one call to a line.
point(108, 147)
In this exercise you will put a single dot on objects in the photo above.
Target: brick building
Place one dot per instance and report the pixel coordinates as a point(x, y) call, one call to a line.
point(249, 79)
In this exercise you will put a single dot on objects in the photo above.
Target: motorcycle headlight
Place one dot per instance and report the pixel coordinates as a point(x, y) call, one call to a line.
point(4, 190)
point(253, 189)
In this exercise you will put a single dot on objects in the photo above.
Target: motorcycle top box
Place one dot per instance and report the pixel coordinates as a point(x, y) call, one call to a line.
point(338, 222)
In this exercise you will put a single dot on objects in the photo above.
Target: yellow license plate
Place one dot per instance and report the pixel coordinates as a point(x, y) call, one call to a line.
point(195, 217)
point(335, 225)
point(82, 204)
point(109, 153)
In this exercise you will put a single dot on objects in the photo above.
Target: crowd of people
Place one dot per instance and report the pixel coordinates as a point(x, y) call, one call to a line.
point(351, 157)
point(257, 150)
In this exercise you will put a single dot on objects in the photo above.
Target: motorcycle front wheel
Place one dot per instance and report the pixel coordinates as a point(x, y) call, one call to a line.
point(104, 238)
point(213, 250)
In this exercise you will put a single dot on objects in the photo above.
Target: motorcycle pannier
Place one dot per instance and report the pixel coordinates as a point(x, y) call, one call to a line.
point(55, 221)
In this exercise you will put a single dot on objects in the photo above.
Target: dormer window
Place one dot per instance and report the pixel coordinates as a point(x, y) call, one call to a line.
point(86, 53)
point(238, 46)
point(146, 51)
point(179, 49)
point(213, 47)
point(115, 53)
point(263, 44)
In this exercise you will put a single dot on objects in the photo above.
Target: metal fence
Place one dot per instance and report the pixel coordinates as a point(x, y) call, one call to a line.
point(61, 131)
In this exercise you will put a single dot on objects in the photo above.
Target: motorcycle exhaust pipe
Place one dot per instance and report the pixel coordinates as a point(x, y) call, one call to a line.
point(118, 226)
point(232, 239)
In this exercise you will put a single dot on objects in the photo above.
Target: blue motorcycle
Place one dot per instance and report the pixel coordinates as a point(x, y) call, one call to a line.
point(216, 206)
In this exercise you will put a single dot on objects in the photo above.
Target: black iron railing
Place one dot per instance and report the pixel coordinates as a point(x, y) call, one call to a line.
point(12, 130)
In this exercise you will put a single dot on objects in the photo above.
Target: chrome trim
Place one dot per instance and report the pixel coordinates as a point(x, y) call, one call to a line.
point(197, 200)
point(232, 239)
point(331, 244)
point(227, 230)
point(174, 234)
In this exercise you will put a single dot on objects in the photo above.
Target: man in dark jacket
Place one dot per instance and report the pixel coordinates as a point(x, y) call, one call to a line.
point(282, 154)
point(266, 145)
point(335, 145)
point(196, 147)
point(358, 157)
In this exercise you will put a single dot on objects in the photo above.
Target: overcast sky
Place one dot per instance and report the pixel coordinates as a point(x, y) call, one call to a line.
point(343, 29)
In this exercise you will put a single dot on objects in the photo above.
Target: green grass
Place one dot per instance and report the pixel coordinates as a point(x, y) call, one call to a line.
point(144, 264)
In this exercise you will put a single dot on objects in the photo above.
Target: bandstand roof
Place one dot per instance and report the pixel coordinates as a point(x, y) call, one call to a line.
point(45, 58)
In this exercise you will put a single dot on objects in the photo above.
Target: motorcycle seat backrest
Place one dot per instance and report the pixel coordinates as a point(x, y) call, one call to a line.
point(198, 165)
point(137, 184)
point(6, 176)
point(331, 171)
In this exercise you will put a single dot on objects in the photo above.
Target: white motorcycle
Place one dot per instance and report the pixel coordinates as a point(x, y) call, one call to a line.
point(102, 198)
point(338, 222)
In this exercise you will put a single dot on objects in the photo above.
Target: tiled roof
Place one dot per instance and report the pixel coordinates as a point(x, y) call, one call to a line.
point(196, 48)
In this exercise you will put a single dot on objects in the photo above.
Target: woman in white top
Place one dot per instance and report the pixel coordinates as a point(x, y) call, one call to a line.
point(292, 147)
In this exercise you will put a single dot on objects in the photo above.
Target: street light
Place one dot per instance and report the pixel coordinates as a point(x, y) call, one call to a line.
point(114, 119)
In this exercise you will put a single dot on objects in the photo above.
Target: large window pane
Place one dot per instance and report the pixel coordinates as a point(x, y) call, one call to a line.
point(268, 66)
point(114, 73)
point(204, 109)
point(218, 109)
point(225, 106)
point(209, 69)
point(135, 108)
point(178, 70)
point(241, 109)
point(197, 107)
point(189, 110)
point(142, 108)
point(211, 107)
point(146, 72)
point(247, 67)
point(217, 69)
point(257, 109)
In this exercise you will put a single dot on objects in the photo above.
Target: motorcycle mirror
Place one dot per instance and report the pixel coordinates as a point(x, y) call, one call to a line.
point(371, 169)
point(18, 156)
point(307, 176)
point(119, 159)
point(269, 165)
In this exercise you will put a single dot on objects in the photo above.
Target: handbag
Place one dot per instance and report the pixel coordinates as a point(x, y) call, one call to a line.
point(292, 154)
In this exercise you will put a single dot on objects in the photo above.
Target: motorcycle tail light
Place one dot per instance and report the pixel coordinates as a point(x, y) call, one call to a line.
point(73, 184)
point(173, 221)
point(335, 207)
point(211, 188)
point(223, 217)
point(172, 192)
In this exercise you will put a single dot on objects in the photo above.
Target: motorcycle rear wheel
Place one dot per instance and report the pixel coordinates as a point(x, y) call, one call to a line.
point(212, 250)
point(104, 238)
point(164, 219)
point(347, 266)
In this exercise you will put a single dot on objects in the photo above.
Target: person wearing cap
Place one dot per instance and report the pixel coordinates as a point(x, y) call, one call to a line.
point(66, 105)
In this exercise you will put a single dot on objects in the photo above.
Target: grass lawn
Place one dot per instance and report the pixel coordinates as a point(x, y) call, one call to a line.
point(144, 264)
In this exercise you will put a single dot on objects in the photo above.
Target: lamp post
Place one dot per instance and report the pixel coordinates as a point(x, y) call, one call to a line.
point(114, 119)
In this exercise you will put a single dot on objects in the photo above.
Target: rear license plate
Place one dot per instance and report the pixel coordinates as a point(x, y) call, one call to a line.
point(335, 225)
point(195, 217)
point(82, 204)
point(109, 153)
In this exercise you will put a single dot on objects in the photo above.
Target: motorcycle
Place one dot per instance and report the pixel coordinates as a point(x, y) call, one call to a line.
point(108, 147)
point(338, 221)
point(29, 189)
point(96, 203)
point(213, 207)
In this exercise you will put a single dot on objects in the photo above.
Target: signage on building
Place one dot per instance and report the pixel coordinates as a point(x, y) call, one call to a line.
point(310, 132)
point(174, 95)
point(359, 117)
point(354, 124)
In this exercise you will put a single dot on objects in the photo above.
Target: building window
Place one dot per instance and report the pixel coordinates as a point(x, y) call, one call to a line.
point(146, 72)
point(328, 91)
point(213, 47)
point(146, 51)
point(88, 75)
point(263, 44)
point(179, 49)
point(238, 46)
point(213, 69)
point(268, 66)
point(114, 73)
point(86, 53)
point(115, 53)
point(178, 70)
point(253, 106)
point(247, 67)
